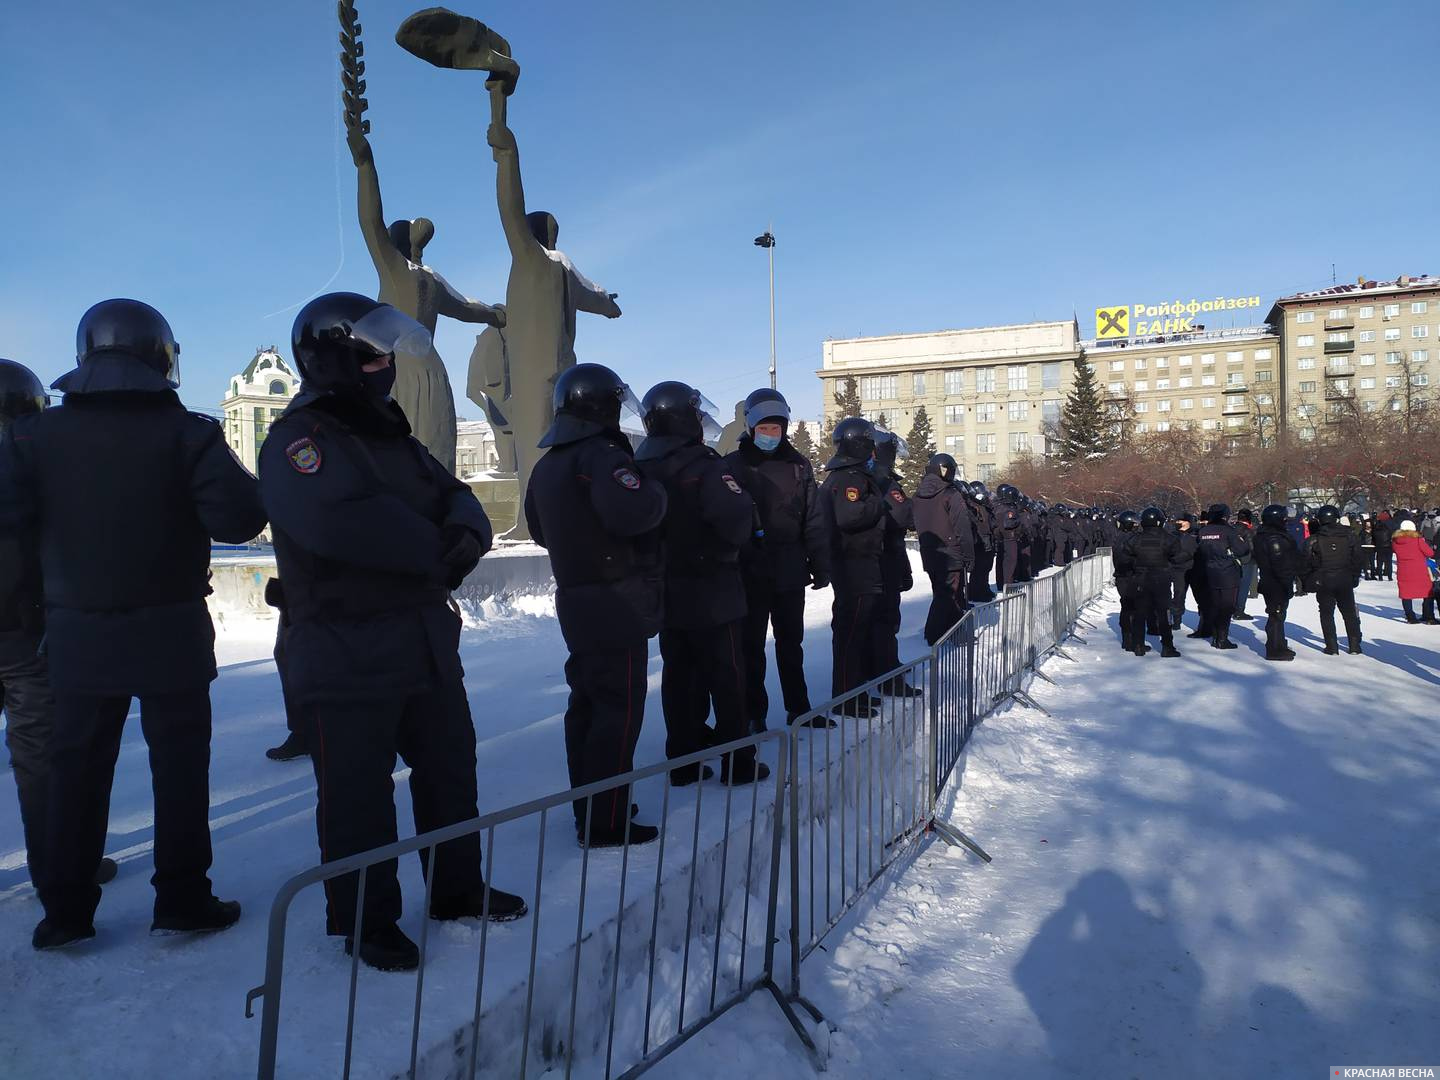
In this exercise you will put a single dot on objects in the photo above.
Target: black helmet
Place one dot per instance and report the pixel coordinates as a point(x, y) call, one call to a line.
point(1128, 520)
point(1274, 515)
point(588, 400)
point(941, 465)
point(132, 328)
point(674, 408)
point(1327, 515)
point(336, 333)
point(854, 439)
point(979, 490)
point(1152, 518)
point(889, 447)
point(20, 392)
point(1007, 493)
point(1218, 514)
point(766, 404)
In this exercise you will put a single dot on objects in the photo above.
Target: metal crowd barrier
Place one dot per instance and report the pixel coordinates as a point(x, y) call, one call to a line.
point(843, 805)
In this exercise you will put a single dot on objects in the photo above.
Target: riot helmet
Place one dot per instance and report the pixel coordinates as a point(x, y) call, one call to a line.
point(979, 490)
point(20, 393)
point(1152, 518)
point(854, 440)
point(122, 345)
point(1327, 515)
point(1007, 493)
point(337, 335)
point(889, 448)
point(1128, 521)
point(677, 409)
point(766, 404)
point(941, 465)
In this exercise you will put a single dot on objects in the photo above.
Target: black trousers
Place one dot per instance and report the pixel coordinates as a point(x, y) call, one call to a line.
point(1427, 608)
point(1385, 562)
point(1329, 597)
point(1177, 595)
point(353, 749)
point(851, 640)
point(782, 610)
point(979, 590)
point(1277, 606)
point(1220, 606)
point(703, 665)
point(602, 724)
point(1132, 612)
point(294, 713)
point(947, 603)
point(83, 749)
point(1198, 589)
point(29, 716)
point(1154, 595)
point(885, 635)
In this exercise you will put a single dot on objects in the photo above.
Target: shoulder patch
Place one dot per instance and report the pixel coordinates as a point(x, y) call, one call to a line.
point(304, 456)
point(853, 494)
point(897, 495)
point(731, 484)
point(626, 478)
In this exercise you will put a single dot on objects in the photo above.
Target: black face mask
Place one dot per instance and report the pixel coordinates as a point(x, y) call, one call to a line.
point(378, 384)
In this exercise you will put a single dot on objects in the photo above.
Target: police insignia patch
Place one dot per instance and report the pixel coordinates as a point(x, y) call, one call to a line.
point(897, 495)
point(731, 484)
point(853, 494)
point(626, 478)
point(304, 456)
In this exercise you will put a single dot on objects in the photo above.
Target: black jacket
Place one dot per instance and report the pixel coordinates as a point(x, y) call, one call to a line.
point(895, 572)
point(1221, 547)
point(1147, 551)
point(1332, 558)
point(599, 517)
point(709, 518)
point(21, 592)
point(1189, 546)
point(359, 510)
point(1276, 557)
point(124, 490)
point(944, 526)
point(855, 518)
point(794, 550)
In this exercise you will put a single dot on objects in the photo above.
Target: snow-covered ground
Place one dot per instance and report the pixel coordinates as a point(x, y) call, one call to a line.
point(1211, 866)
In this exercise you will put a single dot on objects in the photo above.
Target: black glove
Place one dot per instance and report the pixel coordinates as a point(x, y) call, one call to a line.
point(462, 552)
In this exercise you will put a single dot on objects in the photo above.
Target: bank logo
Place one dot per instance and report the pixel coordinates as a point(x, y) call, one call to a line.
point(1112, 322)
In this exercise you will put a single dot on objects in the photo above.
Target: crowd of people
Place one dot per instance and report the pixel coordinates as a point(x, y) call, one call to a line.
point(109, 503)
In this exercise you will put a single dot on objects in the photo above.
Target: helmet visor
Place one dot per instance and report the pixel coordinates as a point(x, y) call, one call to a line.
point(386, 330)
point(711, 428)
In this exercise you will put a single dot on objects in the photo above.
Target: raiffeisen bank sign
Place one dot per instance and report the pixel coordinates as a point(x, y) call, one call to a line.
point(1170, 317)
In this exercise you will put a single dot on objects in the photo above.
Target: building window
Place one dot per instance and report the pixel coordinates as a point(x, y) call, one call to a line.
point(1392, 333)
point(1141, 428)
point(880, 388)
point(1207, 380)
point(1338, 335)
point(1368, 383)
point(985, 444)
point(1050, 412)
point(1367, 359)
point(1419, 356)
point(1306, 363)
point(1264, 399)
point(1420, 379)
point(1018, 377)
point(1050, 376)
point(985, 414)
point(1305, 340)
point(1393, 357)
point(1019, 442)
point(1419, 331)
point(1307, 387)
point(954, 382)
point(1367, 335)
point(1263, 354)
point(1163, 405)
point(1419, 307)
point(1305, 316)
point(1162, 425)
point(985, 380)
point(1264, 376)
point(1367, 312)
point(1234, 357)
point(1142, 406)
point(1337, 313)
point(1235, 378)
point(955, 415)
point(1306, 410)
point(1209, 424)
point(1185, 382)
point(1186, 361)
point(1207, 359)
point(1187, 403)
point(986, 472)
point(1162, 384)
point(1339, 363)
point(1018, 410)
point(1207, 402)
point(1141, 385)
point(1117, 387)
point(1341, 387)
point(1140, 363)
point(917, 385)
point(954, 444)
point(1392, 382)
point(277, 388)
point(1117, 365)
point(1391, 310)
point(1162, 363)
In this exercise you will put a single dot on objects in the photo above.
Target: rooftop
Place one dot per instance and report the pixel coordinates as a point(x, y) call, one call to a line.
point(1239, 333)
point(1364, 285)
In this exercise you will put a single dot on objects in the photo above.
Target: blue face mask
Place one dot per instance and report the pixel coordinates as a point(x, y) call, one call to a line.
point(767, 444)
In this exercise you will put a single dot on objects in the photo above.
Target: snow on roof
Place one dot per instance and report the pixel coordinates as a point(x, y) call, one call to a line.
point(1403, 283)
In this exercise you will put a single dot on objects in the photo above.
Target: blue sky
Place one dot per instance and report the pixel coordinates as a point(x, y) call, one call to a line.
point(925, 166)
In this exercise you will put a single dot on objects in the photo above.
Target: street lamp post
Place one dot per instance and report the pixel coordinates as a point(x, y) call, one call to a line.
point(767, 241)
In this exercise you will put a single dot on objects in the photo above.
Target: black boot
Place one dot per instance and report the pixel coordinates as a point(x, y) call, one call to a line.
point(613, 838)
point(898, 687)
point(106, 871)
point(743, 771)
point(293, 747)
point(503, 906)
point(386, 949)
point(50, 935)
point(1354, 649)
point(205, 918)
point(686, 775)
point(1332, 647)
point(819, 720)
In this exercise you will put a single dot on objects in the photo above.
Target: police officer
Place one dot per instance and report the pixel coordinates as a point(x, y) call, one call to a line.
point(589, 504)
point(1154, 554)
point(896, 575)
point(1128, 583)
point(1278, 560)
point(1220, 549)
point(371, 534)
point(947, 545)
point(1184, 531)
point(1334, 561)
point(124, 490)
point(982, 512)
point(1012, 552)
point(856, 515)
point(708, 520)
point(790, 551)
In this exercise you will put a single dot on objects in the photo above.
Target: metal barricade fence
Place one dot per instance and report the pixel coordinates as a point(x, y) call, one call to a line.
point(842, 806)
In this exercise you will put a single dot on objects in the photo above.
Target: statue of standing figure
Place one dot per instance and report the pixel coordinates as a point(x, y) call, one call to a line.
point(422, 387)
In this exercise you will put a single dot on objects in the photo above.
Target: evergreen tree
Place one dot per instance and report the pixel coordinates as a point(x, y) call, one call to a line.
point(801, 439)
point(1084, 426)
point(921, 444)
point(847, 403)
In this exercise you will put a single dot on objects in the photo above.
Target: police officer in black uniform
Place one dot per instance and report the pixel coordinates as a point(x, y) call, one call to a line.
point(600, 518)
point(371, 534)
point(124, 490)
point(1154, 555)
point(1128, 583)
point(708, 520)
point(1184, 531)
point(1012, 550)
point(982, 511)
point(1278, 561)
point(1220, 549)
point(790, 551)
point(896, 575)
point(947, 544)
point(856, 513)
point(1334, 560)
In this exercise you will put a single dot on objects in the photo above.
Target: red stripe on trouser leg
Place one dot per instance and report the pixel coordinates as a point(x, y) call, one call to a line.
point(625, 738)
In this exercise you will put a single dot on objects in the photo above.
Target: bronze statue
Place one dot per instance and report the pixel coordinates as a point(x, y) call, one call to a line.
point(422, 387)
point(513, 372)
